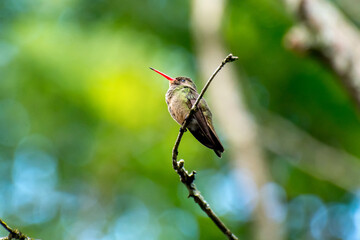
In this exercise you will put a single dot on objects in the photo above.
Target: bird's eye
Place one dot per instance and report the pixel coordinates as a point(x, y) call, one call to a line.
point(182, 80)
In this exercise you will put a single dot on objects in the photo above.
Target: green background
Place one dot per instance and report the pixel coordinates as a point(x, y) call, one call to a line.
point(86, 139)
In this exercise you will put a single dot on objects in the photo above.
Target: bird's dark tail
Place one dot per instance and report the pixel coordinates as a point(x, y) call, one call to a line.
point(211, 141)
point(218, 153)
point(218, 147)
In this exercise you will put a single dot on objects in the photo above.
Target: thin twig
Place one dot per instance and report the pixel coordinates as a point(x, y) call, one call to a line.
point(188, 179)
point(6, 226)
point(13, 233)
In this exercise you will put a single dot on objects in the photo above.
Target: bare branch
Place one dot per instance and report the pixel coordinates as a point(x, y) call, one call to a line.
point(188, 179)
point(13, 233)
point(327, 34)
point(6, 226)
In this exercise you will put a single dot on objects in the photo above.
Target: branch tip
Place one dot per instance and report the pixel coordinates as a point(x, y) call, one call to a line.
point(230, 58)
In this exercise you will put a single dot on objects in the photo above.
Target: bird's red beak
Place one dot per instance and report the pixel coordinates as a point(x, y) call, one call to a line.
point(163, 74)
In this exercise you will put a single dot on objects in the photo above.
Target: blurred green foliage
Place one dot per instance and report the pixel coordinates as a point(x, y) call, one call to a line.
point(85, 137)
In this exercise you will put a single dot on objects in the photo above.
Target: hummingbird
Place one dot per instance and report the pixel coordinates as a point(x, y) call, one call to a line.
point(180, 98)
